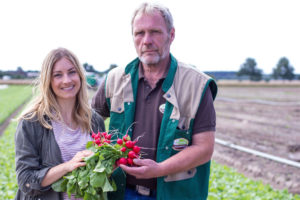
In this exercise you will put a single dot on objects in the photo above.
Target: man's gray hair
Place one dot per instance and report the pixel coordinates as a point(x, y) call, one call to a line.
point(150, 8)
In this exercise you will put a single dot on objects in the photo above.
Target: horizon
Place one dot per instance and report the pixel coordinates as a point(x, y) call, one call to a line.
point(207, 71)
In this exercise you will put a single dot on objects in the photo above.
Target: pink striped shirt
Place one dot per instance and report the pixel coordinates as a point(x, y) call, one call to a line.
point(70, 142)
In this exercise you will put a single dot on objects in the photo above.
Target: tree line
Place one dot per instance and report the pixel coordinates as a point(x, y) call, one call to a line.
point(283, 70)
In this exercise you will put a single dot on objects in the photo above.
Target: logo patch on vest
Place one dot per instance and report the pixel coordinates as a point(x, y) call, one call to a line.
point(179, 144)
point(162, 108)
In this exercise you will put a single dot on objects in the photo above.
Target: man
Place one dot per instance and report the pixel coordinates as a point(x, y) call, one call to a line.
point(165, 105)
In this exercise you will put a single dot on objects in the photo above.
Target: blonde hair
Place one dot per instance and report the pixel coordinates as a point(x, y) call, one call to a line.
point(45, 103)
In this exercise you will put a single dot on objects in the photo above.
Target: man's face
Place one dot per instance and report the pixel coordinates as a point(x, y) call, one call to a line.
point(151, 38)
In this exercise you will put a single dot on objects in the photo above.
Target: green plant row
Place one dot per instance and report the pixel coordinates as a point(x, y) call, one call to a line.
point(227, 184)
point(8, 182)
point(11, 98)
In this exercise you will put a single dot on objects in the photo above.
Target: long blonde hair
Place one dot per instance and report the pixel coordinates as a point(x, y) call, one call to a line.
point(45, 103)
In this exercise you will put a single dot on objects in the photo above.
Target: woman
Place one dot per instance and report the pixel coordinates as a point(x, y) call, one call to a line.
point(51, 136)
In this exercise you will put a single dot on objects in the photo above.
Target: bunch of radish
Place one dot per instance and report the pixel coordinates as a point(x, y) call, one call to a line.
point(93, 180)
point(101, 137)
point(128, 148)
point(129, 151)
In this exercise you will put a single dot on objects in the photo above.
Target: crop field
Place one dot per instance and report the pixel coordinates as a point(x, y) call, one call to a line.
point(264, 119)
point(226, 183)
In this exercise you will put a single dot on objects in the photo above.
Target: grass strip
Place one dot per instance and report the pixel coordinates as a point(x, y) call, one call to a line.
point(11, 98)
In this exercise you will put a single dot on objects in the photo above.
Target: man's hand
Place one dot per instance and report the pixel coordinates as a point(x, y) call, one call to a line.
point(197, 154)
point(145, 169)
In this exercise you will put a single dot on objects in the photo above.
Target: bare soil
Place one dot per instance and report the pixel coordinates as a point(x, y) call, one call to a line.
point(266, 119)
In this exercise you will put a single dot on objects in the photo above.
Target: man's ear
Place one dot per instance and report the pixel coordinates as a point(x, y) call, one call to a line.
point(172, 34)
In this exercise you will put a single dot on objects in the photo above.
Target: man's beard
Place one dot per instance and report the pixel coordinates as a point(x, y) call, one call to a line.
point(150, 61)
point(155, 59)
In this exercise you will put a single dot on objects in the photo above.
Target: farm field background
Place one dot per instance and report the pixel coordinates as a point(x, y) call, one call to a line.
point(225, 183)
point(264, 119)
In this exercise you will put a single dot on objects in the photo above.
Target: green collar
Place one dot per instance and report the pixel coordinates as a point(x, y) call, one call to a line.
point(171, 73)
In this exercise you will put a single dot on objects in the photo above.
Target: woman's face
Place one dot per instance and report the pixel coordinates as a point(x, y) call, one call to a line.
point(65, 80)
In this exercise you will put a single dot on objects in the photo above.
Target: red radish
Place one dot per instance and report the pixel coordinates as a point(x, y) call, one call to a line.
point(120, 141)
point(129, 161)
point(108, 136)
point(97, 141)
point(131, 154)
point(129, 144)
point(123, 161)
point(123, 149)
point(96, 137)
point(104, 134)
point(136, 149)
point(126, 138)
point(106, 141)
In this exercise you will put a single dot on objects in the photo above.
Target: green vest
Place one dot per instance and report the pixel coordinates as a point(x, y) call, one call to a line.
point(184, 88)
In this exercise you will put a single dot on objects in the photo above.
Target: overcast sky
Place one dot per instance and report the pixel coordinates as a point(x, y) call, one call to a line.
point(212, 34)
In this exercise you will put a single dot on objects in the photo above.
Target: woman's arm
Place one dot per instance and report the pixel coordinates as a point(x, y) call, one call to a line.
point(28, 169)
point(33, 178)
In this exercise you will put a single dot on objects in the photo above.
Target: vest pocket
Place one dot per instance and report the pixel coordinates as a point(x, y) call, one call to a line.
point(181, 175)
point(117, 104)
point(184, 123)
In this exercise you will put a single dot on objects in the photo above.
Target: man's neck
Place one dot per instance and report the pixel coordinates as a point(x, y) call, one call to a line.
point(153, 73)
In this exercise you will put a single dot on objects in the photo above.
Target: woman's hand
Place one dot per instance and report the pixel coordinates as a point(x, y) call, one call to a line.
point(58, 171)
point(77, 160)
